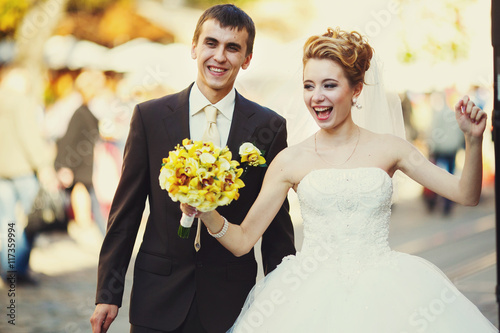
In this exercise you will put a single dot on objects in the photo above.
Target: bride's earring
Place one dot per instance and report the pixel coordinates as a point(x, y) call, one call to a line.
point(356, 104)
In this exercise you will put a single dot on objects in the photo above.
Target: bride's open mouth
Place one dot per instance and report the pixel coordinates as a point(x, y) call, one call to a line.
point(323, 112)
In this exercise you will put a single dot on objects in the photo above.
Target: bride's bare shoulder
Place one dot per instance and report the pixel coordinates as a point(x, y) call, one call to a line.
point(293, 154)
point(388, 149)
point(297, 150)
point(383, 139)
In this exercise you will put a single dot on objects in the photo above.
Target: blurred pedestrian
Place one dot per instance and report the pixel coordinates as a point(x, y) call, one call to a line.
point(445, 140)
point(75, 153)
point(406, 105)
point(25, 162)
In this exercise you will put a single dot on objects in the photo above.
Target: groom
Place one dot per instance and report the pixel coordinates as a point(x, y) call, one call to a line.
point(178, 289)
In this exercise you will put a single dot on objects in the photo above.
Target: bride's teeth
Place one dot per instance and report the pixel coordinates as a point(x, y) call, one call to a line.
point(320, 109)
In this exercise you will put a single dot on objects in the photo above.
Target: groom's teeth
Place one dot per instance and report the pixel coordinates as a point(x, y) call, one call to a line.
point(218, 70)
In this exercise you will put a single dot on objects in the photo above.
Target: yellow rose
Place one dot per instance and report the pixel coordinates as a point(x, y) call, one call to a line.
point(165, 174)
point(193, 198)
point(207, 206)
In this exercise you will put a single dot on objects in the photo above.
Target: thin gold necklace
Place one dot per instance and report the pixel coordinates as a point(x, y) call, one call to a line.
point(352, 153)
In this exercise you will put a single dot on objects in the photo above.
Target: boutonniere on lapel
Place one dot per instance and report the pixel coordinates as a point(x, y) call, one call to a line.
point(251, 156)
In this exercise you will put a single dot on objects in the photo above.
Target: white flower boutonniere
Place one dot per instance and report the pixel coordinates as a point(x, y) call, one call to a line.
point(251, 156)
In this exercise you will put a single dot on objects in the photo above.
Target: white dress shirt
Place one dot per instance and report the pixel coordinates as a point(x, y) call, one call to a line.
point(197, 119)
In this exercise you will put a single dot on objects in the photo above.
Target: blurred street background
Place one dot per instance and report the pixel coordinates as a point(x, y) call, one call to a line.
point(432, 53)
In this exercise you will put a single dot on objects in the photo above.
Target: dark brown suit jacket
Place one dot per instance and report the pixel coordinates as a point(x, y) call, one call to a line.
point(168, 271)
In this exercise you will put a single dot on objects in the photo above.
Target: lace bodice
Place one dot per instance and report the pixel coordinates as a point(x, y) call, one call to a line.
point(346, 213)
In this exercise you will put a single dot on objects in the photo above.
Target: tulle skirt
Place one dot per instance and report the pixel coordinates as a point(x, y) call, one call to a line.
point(402, 294)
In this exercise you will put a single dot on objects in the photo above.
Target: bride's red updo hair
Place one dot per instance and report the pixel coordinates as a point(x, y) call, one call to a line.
point(348, 49)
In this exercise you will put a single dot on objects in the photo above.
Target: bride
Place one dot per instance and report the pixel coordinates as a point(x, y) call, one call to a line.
point(346, 278)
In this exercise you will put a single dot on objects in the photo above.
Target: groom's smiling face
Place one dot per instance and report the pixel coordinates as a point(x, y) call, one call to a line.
point(219, 53)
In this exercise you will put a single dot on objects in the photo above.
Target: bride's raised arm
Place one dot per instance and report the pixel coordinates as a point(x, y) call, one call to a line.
point(240, 239)
point(466, 189)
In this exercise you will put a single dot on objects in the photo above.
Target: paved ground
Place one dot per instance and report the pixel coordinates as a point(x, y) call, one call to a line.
point(65, 264)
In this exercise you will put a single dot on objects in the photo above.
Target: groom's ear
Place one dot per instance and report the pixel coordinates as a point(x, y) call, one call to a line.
point(246, 63)
point(193, 50)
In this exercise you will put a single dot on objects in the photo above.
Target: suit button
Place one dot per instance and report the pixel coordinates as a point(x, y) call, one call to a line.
point(199, 264)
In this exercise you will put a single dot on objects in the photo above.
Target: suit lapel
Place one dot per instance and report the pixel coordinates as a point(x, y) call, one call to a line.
point(242, 127)
point(176, 120)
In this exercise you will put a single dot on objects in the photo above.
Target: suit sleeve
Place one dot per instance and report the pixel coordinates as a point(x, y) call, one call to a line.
point(125, 215)
point(278, 240)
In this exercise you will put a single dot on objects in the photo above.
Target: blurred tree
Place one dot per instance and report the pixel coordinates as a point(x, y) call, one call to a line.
point(203, 4)
point(111, 25)
point(93, 6)
point(33, 25)
point(424, 43)
point(30, 23)
point(11, 13)
point(278, 18)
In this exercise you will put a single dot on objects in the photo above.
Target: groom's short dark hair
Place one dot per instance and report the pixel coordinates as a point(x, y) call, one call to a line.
point(228, 16)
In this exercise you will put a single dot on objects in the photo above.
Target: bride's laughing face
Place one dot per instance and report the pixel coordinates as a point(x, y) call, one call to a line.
point(327, 92)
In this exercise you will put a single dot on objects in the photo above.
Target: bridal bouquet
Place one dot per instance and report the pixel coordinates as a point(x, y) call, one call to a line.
point(201, 175)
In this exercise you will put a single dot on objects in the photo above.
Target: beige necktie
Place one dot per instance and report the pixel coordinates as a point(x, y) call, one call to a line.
point(211, 134)
point(211, 131)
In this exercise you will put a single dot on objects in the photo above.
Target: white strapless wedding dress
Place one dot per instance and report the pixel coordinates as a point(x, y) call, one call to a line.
point(346, 278)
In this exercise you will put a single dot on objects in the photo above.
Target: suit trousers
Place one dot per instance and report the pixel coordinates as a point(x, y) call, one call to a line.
point(192, 324)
